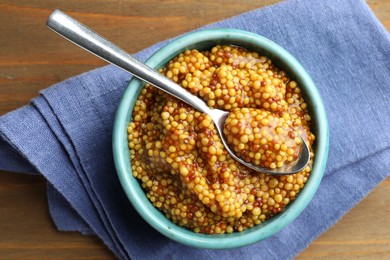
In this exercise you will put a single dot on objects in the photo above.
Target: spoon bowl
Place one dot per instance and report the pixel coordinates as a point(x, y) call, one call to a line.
point(219, 117)
point(84, 37)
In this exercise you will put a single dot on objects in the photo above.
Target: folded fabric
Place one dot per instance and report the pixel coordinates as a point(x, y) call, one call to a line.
point(65, 133)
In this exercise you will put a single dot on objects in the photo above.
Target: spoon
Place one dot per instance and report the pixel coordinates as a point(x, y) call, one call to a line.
point(84, 37)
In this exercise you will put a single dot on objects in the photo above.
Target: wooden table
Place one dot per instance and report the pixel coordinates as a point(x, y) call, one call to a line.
point(33, 58)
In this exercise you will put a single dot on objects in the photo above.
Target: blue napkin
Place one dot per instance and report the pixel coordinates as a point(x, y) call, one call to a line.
point(65, 133)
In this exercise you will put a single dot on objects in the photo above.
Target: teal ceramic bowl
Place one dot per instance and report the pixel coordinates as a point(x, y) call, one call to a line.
point(203, 40)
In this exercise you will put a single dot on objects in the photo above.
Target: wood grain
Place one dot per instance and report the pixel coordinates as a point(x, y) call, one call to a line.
point(33, 58)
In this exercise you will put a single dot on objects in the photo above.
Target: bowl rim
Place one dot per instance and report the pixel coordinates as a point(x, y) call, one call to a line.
point(132, 187)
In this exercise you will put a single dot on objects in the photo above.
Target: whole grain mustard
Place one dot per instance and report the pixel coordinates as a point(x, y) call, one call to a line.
point(178, 156)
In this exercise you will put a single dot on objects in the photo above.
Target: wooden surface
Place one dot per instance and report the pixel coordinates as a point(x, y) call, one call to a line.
point(32, 58)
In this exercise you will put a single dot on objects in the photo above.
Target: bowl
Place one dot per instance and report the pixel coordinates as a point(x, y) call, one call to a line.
point(202, 40)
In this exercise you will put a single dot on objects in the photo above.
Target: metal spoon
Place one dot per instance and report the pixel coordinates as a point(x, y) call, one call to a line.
point(79, 34)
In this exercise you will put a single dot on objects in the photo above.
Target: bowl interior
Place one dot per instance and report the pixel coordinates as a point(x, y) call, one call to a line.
point(202, 40)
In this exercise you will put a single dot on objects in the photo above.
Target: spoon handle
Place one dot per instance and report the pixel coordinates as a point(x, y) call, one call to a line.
point(84, 37)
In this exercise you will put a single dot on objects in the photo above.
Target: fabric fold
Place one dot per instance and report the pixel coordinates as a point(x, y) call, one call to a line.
point(60, 209)
point(61, 134)
point(28, 135)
